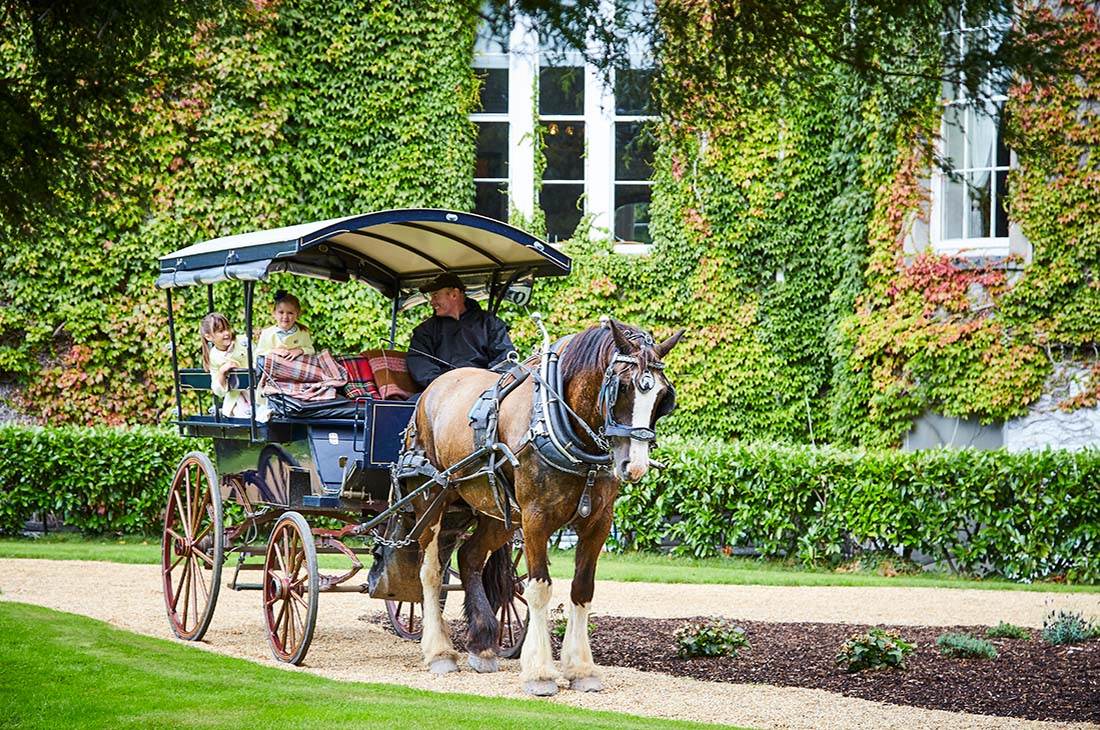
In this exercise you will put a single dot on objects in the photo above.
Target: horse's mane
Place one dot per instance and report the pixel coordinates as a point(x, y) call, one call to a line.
point(593, 349)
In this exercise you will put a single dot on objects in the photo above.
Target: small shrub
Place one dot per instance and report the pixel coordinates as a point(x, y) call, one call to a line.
point(965, 645)
point(1067, 627)
point(1007, 631)
point(711, 637)
point(875, 649)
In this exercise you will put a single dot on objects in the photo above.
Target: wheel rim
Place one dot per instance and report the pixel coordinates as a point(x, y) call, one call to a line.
point(512, 617)
point(290, 588)
point(192, 547)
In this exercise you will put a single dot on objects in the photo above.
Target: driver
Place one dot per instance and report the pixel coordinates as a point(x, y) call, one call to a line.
point(459, 334)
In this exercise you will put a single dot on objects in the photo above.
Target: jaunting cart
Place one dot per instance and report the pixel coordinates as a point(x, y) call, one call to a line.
point(257, 510)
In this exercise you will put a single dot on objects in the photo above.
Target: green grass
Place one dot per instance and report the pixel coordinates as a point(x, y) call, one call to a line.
point(625, 567)
point(64, 670)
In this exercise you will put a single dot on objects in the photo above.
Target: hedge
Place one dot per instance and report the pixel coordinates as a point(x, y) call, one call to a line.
point(1025, 516)
point(97, 480)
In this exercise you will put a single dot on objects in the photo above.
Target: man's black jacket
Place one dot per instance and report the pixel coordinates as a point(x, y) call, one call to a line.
point(476, 339)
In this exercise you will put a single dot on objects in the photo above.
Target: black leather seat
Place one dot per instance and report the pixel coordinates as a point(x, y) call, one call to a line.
point(286, 407)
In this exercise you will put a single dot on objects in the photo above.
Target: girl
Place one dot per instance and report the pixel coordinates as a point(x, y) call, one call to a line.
point(286, 338)
point(223, 350)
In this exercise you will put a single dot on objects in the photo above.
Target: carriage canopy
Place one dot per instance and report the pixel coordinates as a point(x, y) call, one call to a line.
point(394, 251)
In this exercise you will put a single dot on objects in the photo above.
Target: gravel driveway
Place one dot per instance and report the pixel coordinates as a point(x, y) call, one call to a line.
point(351, 643)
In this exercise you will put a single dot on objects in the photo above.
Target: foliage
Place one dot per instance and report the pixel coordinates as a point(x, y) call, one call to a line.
point(559, 622)
point(1025, 516)
point(97, 479)
point(965, 646)
point(710, 637)
point(1004, 630)
point(1067, 627)
point(875, 649)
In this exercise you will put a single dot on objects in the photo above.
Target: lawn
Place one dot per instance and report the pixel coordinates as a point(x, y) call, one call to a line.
point(58, 669)
point(626, 567)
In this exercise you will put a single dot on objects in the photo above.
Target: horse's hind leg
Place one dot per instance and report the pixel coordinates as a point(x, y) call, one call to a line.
point(537, 659)
point(576, 653)
point(482, 599)
point(435, 644)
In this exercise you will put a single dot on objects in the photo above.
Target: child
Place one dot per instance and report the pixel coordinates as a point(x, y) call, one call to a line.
point(286, 338)
point(223, 350)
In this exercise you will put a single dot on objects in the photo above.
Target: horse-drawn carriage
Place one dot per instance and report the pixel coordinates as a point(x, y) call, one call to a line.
point(481, 462)
point(330, 460)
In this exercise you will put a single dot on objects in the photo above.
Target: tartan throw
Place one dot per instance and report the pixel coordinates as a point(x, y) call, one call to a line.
point(391, 374)
point(360, 377)
point(306, 377)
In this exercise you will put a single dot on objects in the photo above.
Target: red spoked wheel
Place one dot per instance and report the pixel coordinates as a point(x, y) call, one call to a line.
point(192, 547)
point(407, 619)
point(512, 616)
point(291, 586)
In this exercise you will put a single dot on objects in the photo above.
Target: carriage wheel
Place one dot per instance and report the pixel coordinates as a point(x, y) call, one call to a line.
point(192, 547)
point(291, 586)
point(407, 619)
point(512, 616)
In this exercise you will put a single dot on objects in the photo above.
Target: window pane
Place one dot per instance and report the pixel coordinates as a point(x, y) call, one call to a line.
point(493, 96)
point(632, 91)
point(634, 146)
point(953, 135)
point(492, 150)
point(1003, 159)
point(561, 90)
point(562, 205)
point(564, 150)
point(491, 199)
point(982, 135)
point(978, 210)
point(1000, 213)
point(954, 195)
point(632, 213)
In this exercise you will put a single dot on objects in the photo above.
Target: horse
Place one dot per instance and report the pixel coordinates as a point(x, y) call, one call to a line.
point(610, 375)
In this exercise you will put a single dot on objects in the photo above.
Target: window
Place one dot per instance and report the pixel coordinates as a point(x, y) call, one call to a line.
point(491, 161)
point(595, 131)
point(969, 217)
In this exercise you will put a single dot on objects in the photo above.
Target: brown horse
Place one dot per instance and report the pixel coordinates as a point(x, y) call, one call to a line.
point(612, 378)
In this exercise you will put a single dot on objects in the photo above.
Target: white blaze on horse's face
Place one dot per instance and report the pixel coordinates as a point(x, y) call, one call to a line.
point(630, 456)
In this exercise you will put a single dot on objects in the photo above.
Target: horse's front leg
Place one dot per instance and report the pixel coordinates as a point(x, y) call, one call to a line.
point(536, 660)
point(435, 644)
point(576, 653)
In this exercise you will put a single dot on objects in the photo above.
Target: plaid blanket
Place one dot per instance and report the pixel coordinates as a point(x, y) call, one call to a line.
point(360, 377)
point(391, 373)
point(306, 377)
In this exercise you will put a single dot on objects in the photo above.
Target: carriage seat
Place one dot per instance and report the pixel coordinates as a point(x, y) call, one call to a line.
point(285, 406)
point(388, 373)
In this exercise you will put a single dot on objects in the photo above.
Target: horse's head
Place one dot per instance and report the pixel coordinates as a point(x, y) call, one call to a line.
point(635, 393)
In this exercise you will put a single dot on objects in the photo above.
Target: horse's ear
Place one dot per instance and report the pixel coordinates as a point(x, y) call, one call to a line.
point(622, 342)
point(664, 347)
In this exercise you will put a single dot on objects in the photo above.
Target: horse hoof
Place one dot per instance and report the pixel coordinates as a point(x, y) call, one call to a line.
point(586, 684)
point(443, 665)
point(541, 687)
point(483, 665)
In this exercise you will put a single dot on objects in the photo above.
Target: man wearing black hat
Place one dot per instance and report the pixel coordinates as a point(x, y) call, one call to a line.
point(460, 334)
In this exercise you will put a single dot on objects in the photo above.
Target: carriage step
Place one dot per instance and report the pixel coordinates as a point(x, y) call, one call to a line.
point(245, 586)
point(320, 500)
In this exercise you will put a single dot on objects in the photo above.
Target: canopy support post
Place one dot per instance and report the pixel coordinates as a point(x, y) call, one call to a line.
point(393, 319)
point(248, 286)
point(175, 363)
point(209, 298)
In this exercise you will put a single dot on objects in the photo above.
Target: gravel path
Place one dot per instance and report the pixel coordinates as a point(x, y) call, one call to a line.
point(351, 643)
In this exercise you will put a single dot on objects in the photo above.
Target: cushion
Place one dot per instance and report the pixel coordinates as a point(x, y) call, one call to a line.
point(391, 374)
point(361, 382)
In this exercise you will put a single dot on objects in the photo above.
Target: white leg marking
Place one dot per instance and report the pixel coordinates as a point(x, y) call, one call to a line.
point(576, 654)
point(436, 641)
point(536, 660)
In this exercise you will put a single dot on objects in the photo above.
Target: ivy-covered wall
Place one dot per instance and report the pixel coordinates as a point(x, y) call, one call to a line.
point(779, 217)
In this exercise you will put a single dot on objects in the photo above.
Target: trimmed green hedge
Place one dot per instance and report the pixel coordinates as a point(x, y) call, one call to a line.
point(96, 479)
point(1026, 516)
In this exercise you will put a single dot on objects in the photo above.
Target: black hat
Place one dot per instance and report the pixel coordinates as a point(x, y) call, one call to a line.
point(443, 281)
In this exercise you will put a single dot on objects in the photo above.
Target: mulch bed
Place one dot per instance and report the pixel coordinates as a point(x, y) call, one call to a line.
point(1029, 679)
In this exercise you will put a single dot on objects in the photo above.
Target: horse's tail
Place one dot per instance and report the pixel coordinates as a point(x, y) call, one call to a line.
point(497, 577)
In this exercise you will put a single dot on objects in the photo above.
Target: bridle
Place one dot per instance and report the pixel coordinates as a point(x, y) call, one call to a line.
point(644, 381)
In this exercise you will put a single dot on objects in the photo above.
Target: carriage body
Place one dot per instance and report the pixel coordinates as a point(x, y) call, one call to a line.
point(332, 461)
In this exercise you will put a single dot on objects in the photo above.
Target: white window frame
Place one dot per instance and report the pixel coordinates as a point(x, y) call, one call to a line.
point(524, 60)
